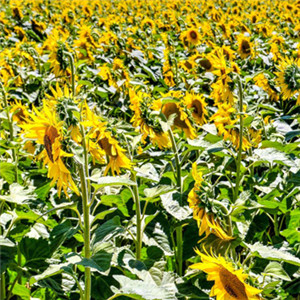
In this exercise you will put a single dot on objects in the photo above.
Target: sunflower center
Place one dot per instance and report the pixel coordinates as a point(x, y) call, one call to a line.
point(188, 65)
point(246, 47)
point(292, 77)
point(107, 147)
point(206, 64)
point(196, 105)
point(50, 135)
point(172, 108)
point(233, 286)
point(193, 35)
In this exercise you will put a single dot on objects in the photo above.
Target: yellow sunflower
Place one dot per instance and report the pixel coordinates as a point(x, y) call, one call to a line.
point(20, 112)
point(117, 158)
point(229, 282)
point(261, 81)
point(181, 120)
point(207, 222)
point(100, 143)
point(44, 128)
point(225, 119)
point(288, 78)
point(245, 47)
point(198, 105)
point(142, 119)
point(193, 36)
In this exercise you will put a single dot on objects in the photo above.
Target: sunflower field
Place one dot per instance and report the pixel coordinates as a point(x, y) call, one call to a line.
point(149, 149)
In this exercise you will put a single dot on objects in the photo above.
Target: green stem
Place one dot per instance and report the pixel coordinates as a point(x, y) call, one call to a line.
point(138, 218)
point(179, 250)
point(72, 72)
point(238, 167)
point(11, 129)
point(276, 225)
point(3, 287)
point(86, 231)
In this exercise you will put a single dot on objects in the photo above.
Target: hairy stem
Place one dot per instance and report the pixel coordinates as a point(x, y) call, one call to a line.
point(239, 157)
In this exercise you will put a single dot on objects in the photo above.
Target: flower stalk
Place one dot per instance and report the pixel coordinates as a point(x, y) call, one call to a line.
point(239, 157)
point(136, 197)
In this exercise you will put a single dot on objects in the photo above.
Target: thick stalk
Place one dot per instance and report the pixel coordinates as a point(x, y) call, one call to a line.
point(3, 287)
point(11, 129)
point(138, 218)
point(239, 157)
point(72, 72)
point(86, 231)
point(179, 242)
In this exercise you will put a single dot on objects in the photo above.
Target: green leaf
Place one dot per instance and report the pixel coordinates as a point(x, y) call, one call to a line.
point(99, 262)
point(7, 253)
point(108, 230)
point(21, 291)
point(144, 290)
point(292, 233)
point(18, 194)
point(270, 155)
point(270, 253)
point(171, 203)
point(152, 193)
point(118, 200)
point(275, 269)
point(35, 252)
point(111, 181)
point(7, 172)
point(60, 233)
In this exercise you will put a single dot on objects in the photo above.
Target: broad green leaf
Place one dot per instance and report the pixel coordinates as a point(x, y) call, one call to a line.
point(7, 253)
point(271, 253)
point(270, 155)
point(275, 269)
point(144, 290)
point(171, 203)
point(108, 230)
point(292, 233)
point(21, 291)
point(111, 181)
point(118, 200)
point(152, 193)
point(7, 172)
point(35, 252)
point(18, 194)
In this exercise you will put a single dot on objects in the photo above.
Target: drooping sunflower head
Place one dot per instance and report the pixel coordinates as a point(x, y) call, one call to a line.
point(198, 106)
point(229, 283)
point(193, 36)
point(289, 78)
point(181, 119)
point(20, 112)
point(244, 46)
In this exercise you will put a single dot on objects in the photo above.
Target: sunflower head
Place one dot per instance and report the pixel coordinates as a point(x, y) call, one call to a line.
point(244, 46)
point(229, 283)
point(193, 36)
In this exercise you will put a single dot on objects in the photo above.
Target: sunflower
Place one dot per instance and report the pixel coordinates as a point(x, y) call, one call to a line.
point(229, 283)
point(100, 143)
point(19, 112)
point(225, 120)
point(44, 128)
point(181, 120)
point(117, 158)
point(206, 221)
point(245, 47)
point(193, 36)
point(288, 78)
point(146, 123)
point(261, 81)
point(198, 105)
